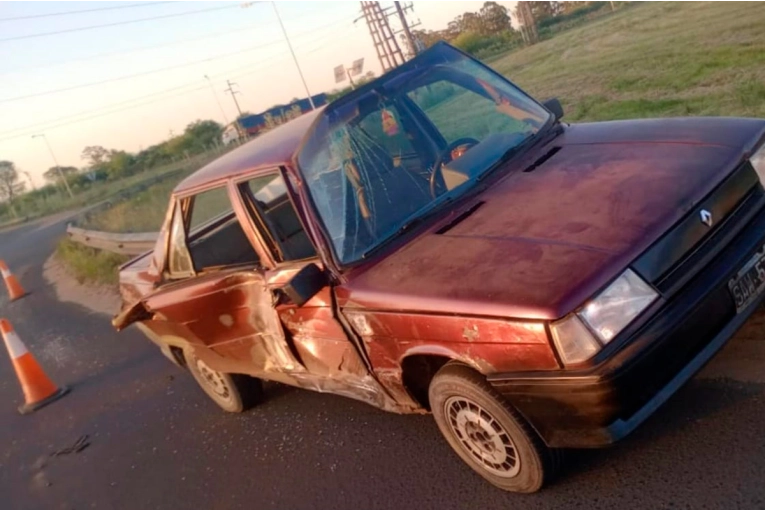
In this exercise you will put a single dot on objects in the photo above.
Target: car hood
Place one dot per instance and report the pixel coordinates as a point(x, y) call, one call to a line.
point(544, 238)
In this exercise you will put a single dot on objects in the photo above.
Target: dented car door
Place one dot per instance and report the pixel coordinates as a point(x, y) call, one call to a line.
point(215, 301)
point(229, 319)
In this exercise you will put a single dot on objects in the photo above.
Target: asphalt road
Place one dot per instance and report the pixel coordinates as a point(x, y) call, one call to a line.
point(157, 442)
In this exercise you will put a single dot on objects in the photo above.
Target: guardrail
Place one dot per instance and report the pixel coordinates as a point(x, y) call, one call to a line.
point(126, 244)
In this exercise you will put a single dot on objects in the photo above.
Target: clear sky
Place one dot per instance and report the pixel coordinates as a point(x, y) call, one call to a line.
point(49, 81)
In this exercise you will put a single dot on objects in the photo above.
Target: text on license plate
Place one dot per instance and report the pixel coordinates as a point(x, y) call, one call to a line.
point(749, 282)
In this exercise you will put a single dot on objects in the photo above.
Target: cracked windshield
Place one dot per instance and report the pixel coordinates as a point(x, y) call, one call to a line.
point(382, 157)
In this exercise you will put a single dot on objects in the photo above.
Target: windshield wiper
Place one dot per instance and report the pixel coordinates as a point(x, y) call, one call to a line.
point(506, 156)
point(510, 153)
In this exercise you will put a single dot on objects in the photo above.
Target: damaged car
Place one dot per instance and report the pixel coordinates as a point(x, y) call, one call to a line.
point(440, 241)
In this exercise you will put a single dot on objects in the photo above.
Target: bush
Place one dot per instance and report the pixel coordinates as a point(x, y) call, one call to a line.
point(573, 15)
point(89, 264)
point(482, 46)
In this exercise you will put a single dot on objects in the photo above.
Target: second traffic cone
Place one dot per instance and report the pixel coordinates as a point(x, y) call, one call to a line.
point(15, 290)
point(39, 390)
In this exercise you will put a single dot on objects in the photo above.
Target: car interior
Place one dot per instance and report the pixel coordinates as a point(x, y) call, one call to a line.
point(266, 198)
point(221, 243)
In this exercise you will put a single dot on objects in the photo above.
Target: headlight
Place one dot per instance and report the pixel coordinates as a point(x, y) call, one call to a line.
point(580, 336)
point(618, 305)
point(758, 162)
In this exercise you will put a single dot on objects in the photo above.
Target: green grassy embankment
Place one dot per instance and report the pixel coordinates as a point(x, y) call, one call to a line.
point(652, 60)
point(143, 212)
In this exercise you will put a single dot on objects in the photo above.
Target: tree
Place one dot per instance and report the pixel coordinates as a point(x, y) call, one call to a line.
point(121, 164)
point(543, 10)
point(53, 174)
point(494, 18)
point(95, 155)
point(10, 187)
point(199, 135)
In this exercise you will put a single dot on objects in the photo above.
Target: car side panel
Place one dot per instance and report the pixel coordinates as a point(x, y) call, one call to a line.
point(229, 313)
point(488, 345)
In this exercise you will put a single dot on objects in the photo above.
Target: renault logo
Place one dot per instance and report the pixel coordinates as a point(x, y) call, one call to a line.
point(706, 217)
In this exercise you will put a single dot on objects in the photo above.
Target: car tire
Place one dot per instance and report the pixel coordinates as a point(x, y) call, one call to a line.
point(487, 432)
point(234, 393)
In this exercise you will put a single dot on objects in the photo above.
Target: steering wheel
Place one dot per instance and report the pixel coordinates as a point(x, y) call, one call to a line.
point(446, 153)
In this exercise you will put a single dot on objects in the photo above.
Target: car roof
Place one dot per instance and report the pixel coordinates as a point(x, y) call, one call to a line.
point(274, 148)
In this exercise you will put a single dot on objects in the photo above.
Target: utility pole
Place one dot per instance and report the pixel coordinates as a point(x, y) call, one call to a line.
point(289, 44)
point(294, 58)
point(233, 93)
point(527, 22)
point(405, 26)
point(222, 112)
point(55, 161)
point(388, 51)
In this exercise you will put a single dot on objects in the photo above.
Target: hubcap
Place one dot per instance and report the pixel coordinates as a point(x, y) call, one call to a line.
point(213, 380)
point(482, 436)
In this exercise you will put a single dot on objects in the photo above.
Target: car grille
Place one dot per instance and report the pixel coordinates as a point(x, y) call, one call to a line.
point(690, 245)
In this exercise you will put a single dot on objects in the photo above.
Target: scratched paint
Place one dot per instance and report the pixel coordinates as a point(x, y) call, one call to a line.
point(471, 334)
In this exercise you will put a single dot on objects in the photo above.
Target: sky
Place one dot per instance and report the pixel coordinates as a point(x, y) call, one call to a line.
point(133, 84)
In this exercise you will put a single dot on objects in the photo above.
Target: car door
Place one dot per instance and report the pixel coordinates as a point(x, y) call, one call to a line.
point(314, 333)
point(215, 300)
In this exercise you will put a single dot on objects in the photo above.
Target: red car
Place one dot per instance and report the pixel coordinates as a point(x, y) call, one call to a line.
point(439, 241)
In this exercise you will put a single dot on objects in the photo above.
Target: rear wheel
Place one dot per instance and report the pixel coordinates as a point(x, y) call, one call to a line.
point(487, 432)
point(232, 392)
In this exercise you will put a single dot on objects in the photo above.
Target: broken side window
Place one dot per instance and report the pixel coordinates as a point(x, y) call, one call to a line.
point(179, 261)
point(272, 205)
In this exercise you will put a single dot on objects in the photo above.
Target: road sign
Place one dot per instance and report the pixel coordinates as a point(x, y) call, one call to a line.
point(357, 67)
point(339, 74)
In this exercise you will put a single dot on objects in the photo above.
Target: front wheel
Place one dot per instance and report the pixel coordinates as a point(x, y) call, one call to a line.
point(487, 432)
point(234, 393)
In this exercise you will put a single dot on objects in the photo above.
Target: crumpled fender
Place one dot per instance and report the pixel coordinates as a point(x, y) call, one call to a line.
point(133, 313)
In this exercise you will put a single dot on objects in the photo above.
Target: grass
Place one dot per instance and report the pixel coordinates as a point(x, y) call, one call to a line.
point(89, 265)
point(652, 60)
point(143, 212)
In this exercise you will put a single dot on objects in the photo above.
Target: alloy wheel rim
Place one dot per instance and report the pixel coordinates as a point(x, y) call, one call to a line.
point(482, 436)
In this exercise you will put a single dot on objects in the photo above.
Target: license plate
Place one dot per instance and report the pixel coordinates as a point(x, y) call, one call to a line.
point(749, 282)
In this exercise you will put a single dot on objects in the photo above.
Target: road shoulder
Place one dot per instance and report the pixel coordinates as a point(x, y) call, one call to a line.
point(101, 299)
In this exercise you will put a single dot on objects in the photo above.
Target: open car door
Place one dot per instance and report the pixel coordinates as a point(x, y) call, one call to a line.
point(214, 300)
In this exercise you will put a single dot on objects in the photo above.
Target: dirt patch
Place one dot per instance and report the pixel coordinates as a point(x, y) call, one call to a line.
point(103, 299)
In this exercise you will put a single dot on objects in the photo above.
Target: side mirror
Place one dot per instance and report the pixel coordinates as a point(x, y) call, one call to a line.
point(305, 284)
point(555, 107)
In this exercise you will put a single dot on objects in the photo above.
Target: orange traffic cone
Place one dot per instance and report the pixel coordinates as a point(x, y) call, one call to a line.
point(39, 390)
point(15, 290)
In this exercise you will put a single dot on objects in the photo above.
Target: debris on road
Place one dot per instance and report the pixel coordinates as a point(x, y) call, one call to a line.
point(77, 447)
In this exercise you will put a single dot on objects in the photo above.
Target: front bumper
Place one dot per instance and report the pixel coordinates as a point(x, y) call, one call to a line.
point(601, 404)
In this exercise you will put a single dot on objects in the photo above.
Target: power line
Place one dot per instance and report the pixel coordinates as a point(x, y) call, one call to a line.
point(135, 75)
point(178, 90)
point(171, 43)
point(117, 23)
point(59, 122)
point(26, 130)
point(83, 11)
point(154, 71)
point(133, 50)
